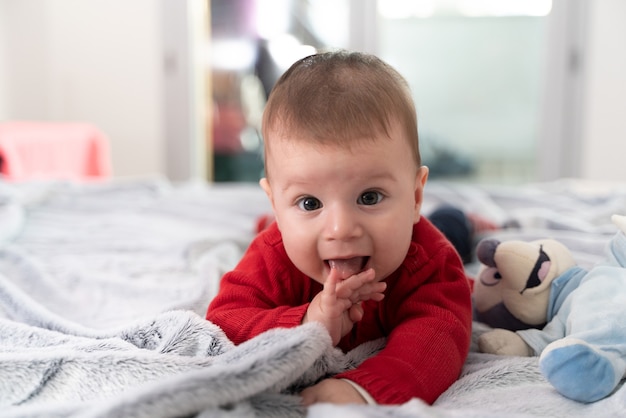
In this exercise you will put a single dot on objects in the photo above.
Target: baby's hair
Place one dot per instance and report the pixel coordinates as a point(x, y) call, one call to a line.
point(340, 97)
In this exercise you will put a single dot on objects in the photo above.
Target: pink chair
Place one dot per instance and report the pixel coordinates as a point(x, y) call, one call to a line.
point(53, 150)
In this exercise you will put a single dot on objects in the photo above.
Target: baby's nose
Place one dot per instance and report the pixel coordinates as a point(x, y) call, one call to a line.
point(341, 223)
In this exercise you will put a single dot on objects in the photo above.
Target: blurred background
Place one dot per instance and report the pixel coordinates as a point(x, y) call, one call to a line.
point(507, 91)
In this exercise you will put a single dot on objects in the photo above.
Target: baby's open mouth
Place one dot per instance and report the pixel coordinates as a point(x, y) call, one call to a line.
point(348, 266)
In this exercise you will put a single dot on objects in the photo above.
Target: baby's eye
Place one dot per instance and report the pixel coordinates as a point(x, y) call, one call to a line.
point(309, 203)
point(370, 198)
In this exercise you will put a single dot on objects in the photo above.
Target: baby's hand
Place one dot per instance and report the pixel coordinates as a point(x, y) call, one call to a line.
point(338, 305)
point(333, 391)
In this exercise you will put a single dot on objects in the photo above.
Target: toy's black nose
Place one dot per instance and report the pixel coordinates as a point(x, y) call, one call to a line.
point(486, 250)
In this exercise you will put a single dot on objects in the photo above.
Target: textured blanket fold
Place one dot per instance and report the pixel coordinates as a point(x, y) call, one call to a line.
point(175, 365)
point(190, 368)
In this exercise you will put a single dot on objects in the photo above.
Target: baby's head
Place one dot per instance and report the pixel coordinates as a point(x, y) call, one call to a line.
point(340, 98)
point(342, 163)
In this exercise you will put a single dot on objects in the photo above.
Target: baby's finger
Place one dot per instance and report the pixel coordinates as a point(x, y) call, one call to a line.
point(359, 289)
point(330, 285)
point(368, 296)
point(374, 291)
point(345, 288)
point(368, 291)
point(356, 312)
point(330, 298)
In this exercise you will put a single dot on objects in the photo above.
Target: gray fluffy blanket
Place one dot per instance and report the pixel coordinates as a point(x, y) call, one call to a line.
point(103, 289)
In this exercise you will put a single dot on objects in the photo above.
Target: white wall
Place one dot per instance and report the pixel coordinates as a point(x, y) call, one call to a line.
point(3, 77)
point(604, 127)
point(184, 33)
point(24, 59)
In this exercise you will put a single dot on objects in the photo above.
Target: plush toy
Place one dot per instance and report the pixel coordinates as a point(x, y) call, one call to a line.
point(541, 303)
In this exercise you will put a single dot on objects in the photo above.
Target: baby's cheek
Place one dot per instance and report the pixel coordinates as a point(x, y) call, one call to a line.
point(395, 252)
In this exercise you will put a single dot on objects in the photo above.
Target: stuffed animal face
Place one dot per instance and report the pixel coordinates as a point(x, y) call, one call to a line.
point(516, 277)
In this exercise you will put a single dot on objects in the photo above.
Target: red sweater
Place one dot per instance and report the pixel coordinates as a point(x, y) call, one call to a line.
point(425, 316)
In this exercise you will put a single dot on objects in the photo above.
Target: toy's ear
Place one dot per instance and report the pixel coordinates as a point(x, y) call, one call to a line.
point(486, 290)
point(487, 293)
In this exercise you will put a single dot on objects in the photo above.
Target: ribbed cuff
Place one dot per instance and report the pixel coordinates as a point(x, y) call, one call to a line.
point(293, 316)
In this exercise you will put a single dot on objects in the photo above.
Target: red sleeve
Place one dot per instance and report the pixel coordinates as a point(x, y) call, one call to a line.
point(430, 337)
point(261, 293)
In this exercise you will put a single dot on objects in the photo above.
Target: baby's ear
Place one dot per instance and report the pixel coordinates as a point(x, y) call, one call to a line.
point(265, 185)
point(420, 182)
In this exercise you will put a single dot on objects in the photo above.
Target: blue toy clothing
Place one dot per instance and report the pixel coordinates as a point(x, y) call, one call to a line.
point(560, 289)
point(583, 346)
point(590, 293)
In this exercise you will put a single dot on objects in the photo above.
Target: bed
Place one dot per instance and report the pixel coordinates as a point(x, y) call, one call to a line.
point(104, 286)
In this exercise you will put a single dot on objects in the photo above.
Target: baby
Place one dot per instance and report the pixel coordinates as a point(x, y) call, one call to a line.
point(348, 248)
